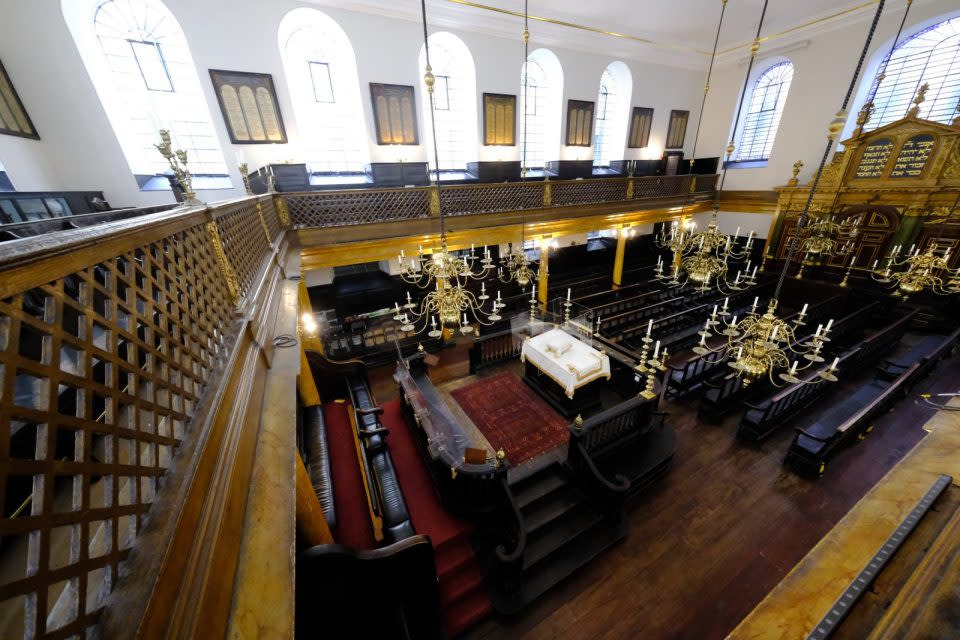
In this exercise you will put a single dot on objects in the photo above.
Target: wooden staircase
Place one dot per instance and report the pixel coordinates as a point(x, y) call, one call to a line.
point(564, 531)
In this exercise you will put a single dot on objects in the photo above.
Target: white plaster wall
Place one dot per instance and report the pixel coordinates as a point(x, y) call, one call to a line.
point(729, 221)
point(822, 72)
point(78, 149)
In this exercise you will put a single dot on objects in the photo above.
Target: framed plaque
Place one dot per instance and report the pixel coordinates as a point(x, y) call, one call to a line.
point(394, 113)
point(640, 123)
point(579, 123)
point(499, 119)
point(14, 120)
point(874, 158)
point(913, 156)
point(677, 131)
point(248, 102)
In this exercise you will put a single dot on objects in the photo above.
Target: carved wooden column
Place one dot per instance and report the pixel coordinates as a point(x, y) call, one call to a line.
point(618, 260)
point(543, 283)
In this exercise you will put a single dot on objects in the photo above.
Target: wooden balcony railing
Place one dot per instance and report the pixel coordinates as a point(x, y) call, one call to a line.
point(133, 361)
point(321, 209)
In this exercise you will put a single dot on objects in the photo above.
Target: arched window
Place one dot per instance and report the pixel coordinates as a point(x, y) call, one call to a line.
point(321, 70)
point(542, 77)
point(455, 99)
point(931, 56)
point(613, 103)
point(763, 115)
point(139, 61)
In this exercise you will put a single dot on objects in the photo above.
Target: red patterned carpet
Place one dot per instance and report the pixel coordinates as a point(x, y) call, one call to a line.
point(512, 416)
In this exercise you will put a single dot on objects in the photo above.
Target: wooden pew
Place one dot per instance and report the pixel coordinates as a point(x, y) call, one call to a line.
point(685, 377)
point(762, 418)
point(814, 444)
point(928, 352)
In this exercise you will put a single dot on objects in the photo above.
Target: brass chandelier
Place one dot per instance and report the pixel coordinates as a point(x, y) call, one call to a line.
point(920, 271)
point(763, 344)
point(515, 266)
point(450, 304)
point(703, 257)
point(825, 237)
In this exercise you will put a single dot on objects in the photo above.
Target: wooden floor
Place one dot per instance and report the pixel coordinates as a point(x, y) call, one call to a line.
point(724, 527)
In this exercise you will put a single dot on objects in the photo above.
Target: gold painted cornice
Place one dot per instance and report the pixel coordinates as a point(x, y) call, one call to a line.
point(669, 45)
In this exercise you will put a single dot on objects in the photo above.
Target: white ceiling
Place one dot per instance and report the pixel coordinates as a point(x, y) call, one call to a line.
point(678, 32)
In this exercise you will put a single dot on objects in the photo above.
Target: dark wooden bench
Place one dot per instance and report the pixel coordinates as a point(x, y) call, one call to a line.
point(928, 352)
point(814, 444)
point(762, 418)
point(689, 375)
point(493, 348)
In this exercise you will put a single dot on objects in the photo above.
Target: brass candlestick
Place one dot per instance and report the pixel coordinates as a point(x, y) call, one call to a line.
point(244, 175)
point(177, 159)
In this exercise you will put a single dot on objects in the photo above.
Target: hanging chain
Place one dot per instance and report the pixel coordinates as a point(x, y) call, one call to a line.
point(754, 48)
point(526, 82)
point(429, 79)
point(836, 126)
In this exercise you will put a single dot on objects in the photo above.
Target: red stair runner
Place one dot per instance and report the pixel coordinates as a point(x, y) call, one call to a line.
point(465, 601)
point(353, 515)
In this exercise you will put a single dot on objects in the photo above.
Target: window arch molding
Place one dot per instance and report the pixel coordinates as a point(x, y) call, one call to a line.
point(320, 67)
point(762, 110)
point(455, 93)
point(545, 112)
point(139, 61)
point(612, 113)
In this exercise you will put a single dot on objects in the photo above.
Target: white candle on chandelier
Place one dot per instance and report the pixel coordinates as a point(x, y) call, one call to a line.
point(471, 248)
point(754, 274)
point(826, 329)
point(737, 234)
point(803, 311)
point(420, 248)
point(773, 334)
point(703, 340)
point(498, 295)
point(733, 323)
point(409, 301)
point(400, 260)
point(714, 314)
point(793, 369)
point(656, 350)
point(649, 327)
point(465, 320)
point(663, 356)
point(819, 329)
point(402, 254)
point(739, 353)
point(568, 295)
point(483, 289)
point(706, 326)
point(726, 304)
point(533, 292)
point(433, 322)
point(396, 306)
point(737, 279)
point(875, 263)
point(756, 301)
point(911, 249)
point(833, 367)
point(413, 264)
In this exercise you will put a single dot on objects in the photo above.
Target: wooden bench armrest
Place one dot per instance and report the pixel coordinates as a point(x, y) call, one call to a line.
point(810, 435)
point(378, 410)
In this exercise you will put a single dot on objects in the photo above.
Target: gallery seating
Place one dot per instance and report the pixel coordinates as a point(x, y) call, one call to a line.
point(318, 459)
point(385, 495)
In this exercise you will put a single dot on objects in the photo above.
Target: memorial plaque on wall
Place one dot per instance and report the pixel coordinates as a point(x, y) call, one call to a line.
point(913, 156)
point(579, 123)
point(14, 120)
point(394, 113)
point(640, 123)
point(499, 119)
point(249, 105)
point(874, 158)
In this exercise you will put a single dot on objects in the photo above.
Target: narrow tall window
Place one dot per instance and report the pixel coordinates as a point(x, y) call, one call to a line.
point(140, 63)
point(763, 115)
point(541, 96)
point(613, 102)
point(321, 71)
point(455, 93)
point(930, 57)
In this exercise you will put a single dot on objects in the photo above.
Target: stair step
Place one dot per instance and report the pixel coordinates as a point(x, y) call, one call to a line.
point(546, 540)
point(548, 509)
point(539, 485)
point(464, 614)
point(460, 584)
point(452, 558)
point(539, 579)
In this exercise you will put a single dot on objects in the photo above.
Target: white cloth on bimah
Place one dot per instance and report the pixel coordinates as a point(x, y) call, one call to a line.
point(568, 361)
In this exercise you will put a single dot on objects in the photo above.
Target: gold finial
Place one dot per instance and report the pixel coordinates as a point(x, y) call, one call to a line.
point(921, 97)
point(501, 454)
point(836, 125)
point(795, 180)
point(245, 176)
point(578, 422)
point(755, 46)
point(429, 79)
point(730, 149)
point(863, 117)
point(420, 347)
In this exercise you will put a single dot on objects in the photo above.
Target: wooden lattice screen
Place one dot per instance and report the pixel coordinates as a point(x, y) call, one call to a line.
point(105, 353)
